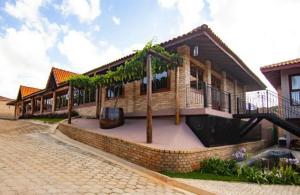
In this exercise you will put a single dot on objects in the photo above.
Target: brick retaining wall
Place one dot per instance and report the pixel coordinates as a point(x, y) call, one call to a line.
point(153, 158)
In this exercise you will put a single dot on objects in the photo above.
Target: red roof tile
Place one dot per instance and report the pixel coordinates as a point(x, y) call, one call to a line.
point(25, 91)
point(279, 65)
point(61, 76)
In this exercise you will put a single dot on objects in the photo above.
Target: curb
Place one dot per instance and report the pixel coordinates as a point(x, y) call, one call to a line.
point(131, 166)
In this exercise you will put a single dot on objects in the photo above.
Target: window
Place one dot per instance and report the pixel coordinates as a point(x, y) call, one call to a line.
point(90, 95)
point(48, 103)
point(61, 101)
point(114, 91)
point(37, 105)
point(196, 77)
point(160, 82)
point(78, 96)
point(295, 89)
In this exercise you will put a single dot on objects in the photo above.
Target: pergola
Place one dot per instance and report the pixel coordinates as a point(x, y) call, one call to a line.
point(150, 54)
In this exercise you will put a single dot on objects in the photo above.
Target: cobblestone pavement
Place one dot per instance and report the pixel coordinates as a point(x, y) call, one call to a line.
point(36, 163)
point(235, 188)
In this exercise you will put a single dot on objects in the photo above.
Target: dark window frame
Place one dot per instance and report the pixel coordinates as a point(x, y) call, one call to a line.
point(293, 90)
point(165, 89)
point(201, 80)
point(122, 93)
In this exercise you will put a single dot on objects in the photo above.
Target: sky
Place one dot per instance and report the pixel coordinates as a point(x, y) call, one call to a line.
point(79, 35)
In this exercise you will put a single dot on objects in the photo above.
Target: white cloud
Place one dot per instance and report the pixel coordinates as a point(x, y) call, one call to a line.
point(97, 28)
point(24, 59)
point(26, 10)
point(85, 10)
point(116, 20)
point(260, 32)
point(24, 51)
point(189, 11)
point(83, 54)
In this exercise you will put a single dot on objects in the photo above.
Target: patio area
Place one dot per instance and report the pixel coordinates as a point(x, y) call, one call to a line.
point(166, 135)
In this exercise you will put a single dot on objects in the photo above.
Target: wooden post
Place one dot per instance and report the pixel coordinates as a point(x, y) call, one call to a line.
point(54, 101)
point(32, 106)
point(97, 101)
point(149, 99)
point(16, 107)
point(42, 105)
point(23, 108)
point(100, 101)
point(204, 95)
point(70, 103)
point(177, 98)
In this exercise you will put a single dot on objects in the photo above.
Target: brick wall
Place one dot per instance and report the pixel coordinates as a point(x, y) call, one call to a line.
point(153, 158)
point(134, 102)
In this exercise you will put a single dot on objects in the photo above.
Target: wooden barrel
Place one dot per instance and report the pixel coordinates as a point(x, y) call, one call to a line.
point(111, 117)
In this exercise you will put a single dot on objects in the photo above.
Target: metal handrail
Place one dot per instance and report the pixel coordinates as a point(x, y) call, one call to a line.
point(266, 102)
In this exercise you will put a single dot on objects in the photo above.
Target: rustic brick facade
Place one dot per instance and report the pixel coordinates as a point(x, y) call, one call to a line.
point(153, 158)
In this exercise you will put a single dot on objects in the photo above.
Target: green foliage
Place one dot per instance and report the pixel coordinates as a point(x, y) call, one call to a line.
point(279, 175)
point(219, 166)
point(253, 174)
point(133, 69)
point(228, 170)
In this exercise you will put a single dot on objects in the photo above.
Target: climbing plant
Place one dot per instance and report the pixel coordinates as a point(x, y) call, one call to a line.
point(132, 69)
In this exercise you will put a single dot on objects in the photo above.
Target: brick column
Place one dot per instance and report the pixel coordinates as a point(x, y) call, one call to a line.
point(224, 88)
point(184, 75)
point(54, 101)
point(208, 81)
point(235, 91)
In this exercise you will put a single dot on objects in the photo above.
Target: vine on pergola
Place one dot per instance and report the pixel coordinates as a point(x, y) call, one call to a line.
point(131, 70)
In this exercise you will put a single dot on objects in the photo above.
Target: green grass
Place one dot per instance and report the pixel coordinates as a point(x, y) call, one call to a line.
point(205, 176)
point(49, 120)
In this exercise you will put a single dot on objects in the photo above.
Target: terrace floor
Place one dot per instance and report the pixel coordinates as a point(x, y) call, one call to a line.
point(166, 135)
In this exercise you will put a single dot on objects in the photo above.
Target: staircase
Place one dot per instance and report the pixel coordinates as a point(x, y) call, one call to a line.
point(266, 104)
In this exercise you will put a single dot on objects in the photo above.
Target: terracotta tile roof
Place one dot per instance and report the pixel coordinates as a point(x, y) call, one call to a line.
point(61, 76)
point(25, 91)
point(280, 64)
point(201, 29)
point(5, 99)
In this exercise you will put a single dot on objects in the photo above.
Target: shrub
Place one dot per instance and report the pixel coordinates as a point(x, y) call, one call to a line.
point(219, 166)
point(252, 174)
point(281, 175)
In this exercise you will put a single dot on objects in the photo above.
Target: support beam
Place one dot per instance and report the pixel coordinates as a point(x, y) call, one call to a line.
point(224, 88)
point(16, 107)
point(97, 102)
point(235, 91)
point(54, 101)
point(42, 105)
point(32, 106)
point(208, 81)
point(149, 99)
point(23, 107)
point(70, 103)
point(177, 98)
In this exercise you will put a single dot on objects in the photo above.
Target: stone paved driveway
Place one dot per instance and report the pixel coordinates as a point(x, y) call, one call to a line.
point(36, 163)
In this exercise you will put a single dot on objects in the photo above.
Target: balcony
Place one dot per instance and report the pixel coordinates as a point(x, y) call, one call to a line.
point(204, 95)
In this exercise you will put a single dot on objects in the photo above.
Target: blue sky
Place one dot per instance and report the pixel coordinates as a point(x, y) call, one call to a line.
point(79, 35)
